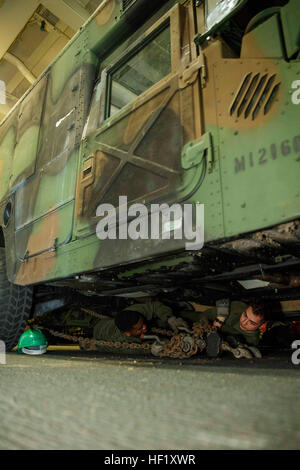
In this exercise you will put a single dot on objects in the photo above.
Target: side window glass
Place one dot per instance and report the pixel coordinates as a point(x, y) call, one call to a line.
point(144, 67)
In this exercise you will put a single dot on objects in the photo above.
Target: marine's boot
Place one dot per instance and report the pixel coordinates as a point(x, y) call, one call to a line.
point(238, 352)
point(213, 344)
point(255, 351)
point(235, 343)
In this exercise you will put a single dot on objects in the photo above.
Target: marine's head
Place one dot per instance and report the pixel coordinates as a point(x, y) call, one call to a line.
point(131, 323)
point(254, 317)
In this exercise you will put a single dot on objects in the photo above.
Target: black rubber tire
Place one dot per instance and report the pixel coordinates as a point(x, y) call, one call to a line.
point(15, 307)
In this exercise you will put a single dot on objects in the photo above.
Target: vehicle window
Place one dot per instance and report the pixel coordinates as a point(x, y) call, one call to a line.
point(217, 11)
point(211, 5)
point(140, 71)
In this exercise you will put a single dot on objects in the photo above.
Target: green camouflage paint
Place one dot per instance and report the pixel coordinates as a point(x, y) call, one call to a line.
point(190, 138)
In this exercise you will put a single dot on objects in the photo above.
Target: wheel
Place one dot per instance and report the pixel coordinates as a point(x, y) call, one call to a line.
point(15, 306)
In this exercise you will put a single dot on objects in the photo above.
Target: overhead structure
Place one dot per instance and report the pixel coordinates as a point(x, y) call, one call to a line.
point(32, 33)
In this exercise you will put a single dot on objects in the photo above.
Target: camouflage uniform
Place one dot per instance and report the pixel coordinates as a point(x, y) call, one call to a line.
point(232, 323)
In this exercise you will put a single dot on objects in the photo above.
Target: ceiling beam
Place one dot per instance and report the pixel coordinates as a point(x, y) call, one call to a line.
point(41, 56)
point(20, 66)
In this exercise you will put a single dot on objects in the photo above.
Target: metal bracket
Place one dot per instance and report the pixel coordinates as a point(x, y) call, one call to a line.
point(194, 152)
point(190, 72)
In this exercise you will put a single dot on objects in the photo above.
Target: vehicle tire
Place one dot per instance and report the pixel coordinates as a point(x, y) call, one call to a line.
point(15, 306)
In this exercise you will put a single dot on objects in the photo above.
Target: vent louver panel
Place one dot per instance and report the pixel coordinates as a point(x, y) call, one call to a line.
point(50, 17)
point(256, 95)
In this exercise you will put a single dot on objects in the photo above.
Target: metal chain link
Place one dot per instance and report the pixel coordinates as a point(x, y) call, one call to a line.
point(161, 331)
point(180, 345)
point(94, 314)
point(90, 344)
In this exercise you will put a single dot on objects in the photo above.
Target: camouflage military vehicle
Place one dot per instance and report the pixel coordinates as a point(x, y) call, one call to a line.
point(187, 102)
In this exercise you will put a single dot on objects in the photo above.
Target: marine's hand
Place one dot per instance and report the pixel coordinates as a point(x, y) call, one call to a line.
point(174, 322)
point(156, 348)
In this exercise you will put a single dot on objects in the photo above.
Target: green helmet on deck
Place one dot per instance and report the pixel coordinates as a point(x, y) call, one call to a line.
point(32, 341)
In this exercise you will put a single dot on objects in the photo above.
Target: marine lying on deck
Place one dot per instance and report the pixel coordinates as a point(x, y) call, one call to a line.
point(239, 324)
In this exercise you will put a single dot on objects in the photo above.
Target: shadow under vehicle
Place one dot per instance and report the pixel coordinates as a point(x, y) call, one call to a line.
point(161, 102)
